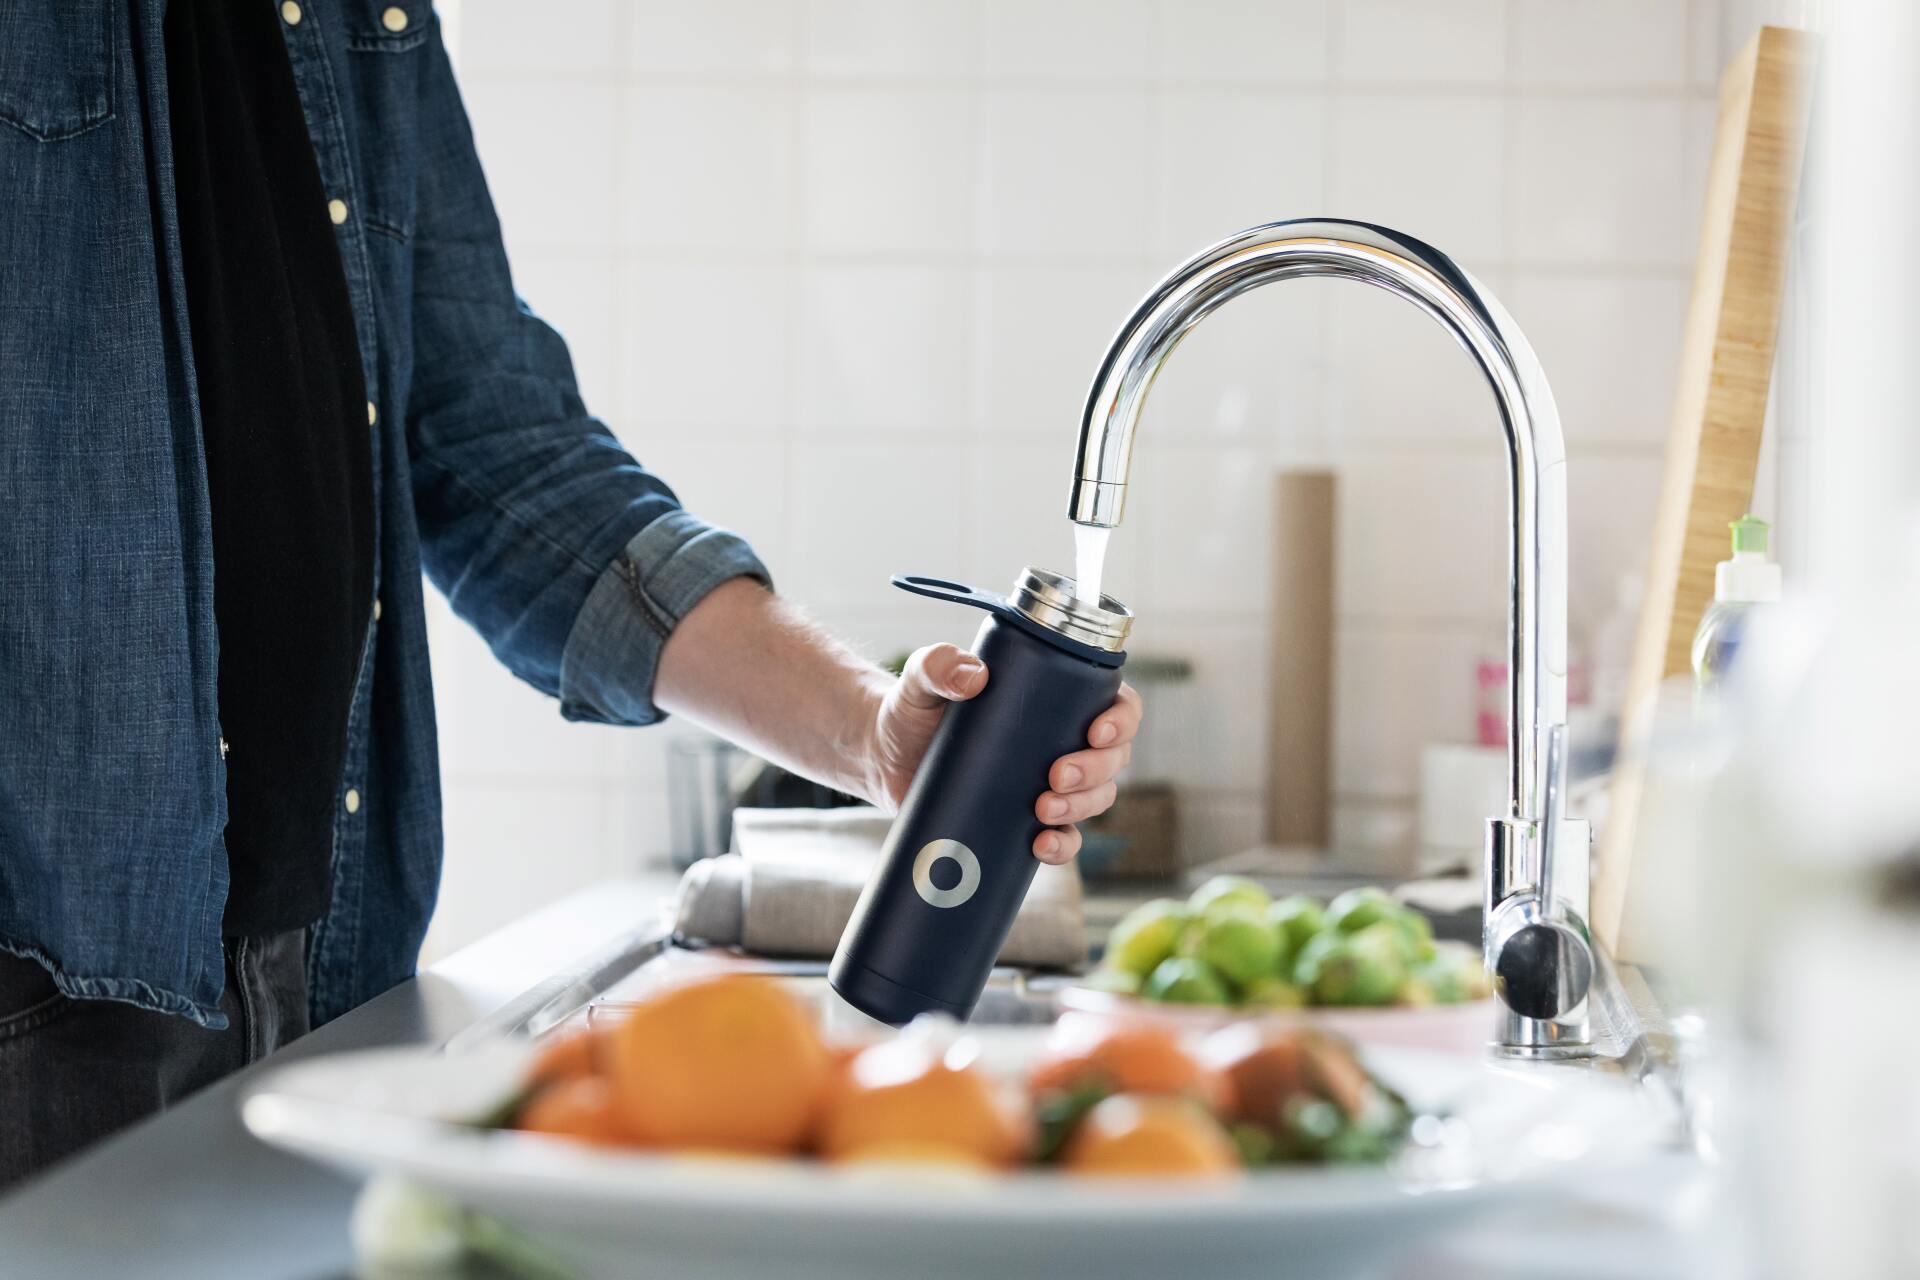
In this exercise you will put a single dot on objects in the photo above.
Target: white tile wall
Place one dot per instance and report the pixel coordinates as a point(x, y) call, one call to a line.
point(1243, 42)
point(1062, 174)
point(888, 170)
point(728, 182)
point(886, 347)
point(704, 345)
point(1204, 143)
point(1435, 162)
point(1561, 44)
point(814, 256)
point(1602, 181)
point(1612, 343)
point(1055, 40)
point(1421, 42)
point(884, 38)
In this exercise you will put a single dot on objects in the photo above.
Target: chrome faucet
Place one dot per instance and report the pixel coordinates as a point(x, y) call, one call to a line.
point(1535, 936)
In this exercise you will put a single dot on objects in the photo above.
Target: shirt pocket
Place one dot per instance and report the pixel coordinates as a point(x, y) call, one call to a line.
point(387, 40)
point(56, 66)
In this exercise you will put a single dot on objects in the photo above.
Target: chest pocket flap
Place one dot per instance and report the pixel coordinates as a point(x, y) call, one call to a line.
point(56, 66)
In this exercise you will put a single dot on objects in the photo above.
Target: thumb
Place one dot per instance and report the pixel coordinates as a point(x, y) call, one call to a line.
point(941, 673)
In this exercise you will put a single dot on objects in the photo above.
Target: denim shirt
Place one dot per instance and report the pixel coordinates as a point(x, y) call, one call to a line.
point(569, 557)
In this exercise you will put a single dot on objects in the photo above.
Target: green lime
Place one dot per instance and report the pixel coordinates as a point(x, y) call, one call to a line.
point(1273, 993)
point(1455, 974)
point(1363, 968)
point(1355, 909)
point(1294, 920)
point(1236, 943)
point(1417, 993)
point(1419, 933)
point(1184, 980)
point(1146, 935)
point(1227, 891)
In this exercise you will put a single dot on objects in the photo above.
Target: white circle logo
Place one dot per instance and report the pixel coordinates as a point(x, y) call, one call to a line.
point(933, 895)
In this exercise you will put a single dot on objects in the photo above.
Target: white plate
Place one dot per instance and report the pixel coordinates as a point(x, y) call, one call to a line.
point(1517, 1130)
point(1455, 1028)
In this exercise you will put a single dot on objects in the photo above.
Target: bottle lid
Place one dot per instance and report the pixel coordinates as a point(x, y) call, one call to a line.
point(1048, 599)
point(1749, 577)
point(1749, 534)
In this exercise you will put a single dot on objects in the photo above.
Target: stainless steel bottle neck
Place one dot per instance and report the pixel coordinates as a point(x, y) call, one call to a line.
point(1048, 598)
point(1537, 620)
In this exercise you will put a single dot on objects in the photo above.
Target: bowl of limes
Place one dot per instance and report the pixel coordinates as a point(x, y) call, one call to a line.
point(1364, 964)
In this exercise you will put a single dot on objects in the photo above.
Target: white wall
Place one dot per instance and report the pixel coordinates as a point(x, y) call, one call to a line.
point(841, 270)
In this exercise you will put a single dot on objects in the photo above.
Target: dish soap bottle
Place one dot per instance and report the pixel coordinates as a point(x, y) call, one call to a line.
point(1739, 584)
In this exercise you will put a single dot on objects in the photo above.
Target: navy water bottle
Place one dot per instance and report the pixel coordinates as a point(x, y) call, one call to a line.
point(959, 859)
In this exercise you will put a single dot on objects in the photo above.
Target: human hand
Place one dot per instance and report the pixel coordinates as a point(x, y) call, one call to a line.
point(1080, 784)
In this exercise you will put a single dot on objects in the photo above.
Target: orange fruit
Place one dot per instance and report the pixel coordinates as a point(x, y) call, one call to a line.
point(1263, 1072)
point(570, 1056)
point(916, 1153)
point(840, 1056)
point(1126, 1057)
point(1149, 1136)
point(730, 1061)
point(911, 1099)
point(581, 1108)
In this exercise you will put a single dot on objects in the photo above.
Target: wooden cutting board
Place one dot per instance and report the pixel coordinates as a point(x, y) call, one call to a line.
point(1720, 411)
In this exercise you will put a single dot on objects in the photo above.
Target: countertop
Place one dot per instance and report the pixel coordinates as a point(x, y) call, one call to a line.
point(189, 1193)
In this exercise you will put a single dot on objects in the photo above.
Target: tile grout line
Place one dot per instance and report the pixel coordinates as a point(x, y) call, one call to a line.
point(929, 84)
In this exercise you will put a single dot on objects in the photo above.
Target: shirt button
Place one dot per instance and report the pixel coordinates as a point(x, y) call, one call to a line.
point(337, 210)
point(376, 608)
point(290, 13)
point(353, 800)
point(394, 19)
point(373, 414)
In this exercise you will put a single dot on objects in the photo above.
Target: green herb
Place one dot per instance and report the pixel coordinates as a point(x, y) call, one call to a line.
point(1059, 1114)
point(506, 1113)
point(1256, 1143)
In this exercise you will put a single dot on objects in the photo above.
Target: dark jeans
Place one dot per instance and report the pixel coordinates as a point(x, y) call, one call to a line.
point(74, 1071)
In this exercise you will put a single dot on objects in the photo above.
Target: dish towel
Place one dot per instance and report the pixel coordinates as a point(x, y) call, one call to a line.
point(790, 887)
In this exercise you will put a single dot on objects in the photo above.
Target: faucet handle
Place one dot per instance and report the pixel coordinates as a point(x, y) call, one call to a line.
point(1542, 959)
point(1540, 951)
point(1552, 804)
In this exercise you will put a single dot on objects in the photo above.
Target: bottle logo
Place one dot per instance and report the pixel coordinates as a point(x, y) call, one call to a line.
point(934, 851)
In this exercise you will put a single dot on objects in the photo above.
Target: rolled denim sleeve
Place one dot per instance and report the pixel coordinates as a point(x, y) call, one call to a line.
point(570, 558)
point(614, 651)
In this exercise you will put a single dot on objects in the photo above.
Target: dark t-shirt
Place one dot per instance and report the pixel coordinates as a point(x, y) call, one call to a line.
point(284, 416)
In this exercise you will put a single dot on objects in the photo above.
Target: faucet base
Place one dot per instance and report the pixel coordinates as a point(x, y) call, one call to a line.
point(1541, 1039)
point(1542, 1053)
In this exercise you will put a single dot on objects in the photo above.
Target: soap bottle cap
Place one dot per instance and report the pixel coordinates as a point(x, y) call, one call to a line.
point(1749, 577)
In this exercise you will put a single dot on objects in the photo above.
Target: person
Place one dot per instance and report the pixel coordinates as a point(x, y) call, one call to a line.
point(261, 362)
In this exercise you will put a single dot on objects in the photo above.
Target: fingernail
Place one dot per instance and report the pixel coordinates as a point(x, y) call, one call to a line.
point(1071, 775)
point(1104, 732)
point(966, 675)
point(1054, 808)
point(1048, 846)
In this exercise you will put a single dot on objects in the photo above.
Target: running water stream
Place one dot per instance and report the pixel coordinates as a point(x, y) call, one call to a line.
point(1090, 562)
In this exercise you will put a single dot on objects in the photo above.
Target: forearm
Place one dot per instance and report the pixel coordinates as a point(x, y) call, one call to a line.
point(753, 669)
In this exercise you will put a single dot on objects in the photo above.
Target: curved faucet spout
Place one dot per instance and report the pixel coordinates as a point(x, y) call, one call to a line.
point(1537, 619)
